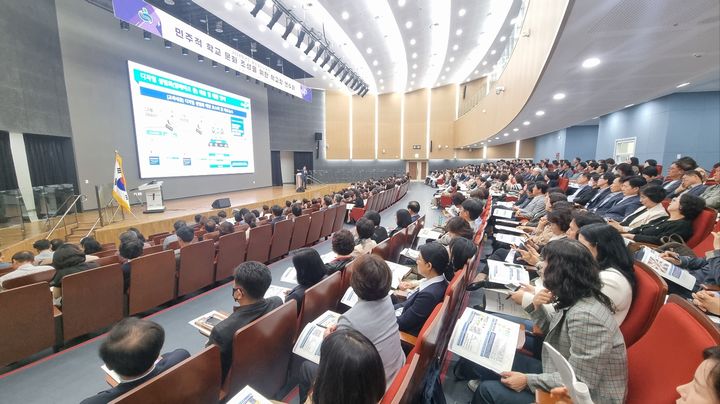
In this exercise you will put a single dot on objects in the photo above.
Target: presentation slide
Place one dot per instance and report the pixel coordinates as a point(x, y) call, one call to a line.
point(186, 128)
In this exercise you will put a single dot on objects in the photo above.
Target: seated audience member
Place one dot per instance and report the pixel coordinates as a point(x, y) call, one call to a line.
point(140, 236)
point(67, 260)
point(585, 190)
point(226, 228)
point(470, 210)
point(683, 210)
point(277, 214)
point(185, 237)
point(433, 265)
point(692, 184)
point(707, 301)
point(238, 216)
point(380, 233)
point(581, 218)
point(256, 213)
point(456, 200)
point(252, 280)
point(251, 221)
point(350, 370)
point(616, 265)
point(210, 226)
point(364, 244)
point(44, 251)
point(266, 211)
point(22, 264)
point(132, 349)
point(460, 250)
point(338, 199)
point(630, 201)
point(310, 270)
point(326, 202)
point(402, 221)
point(358, 200)
point(343, 244)
point(711, 195)
point(198, 219)
point(584, 332)
point(57, 242)
point(414, 208)
point(129, 250)
point(550, 199)
point(650, 173)
point(222, 215)
point(372, 316)
point(602, 184)
point(296, 210)
point(537, 204)
point(173, 237)
point(454, 228)
point(705, 270)
point(675, 174)
point(610, 199)
point(90, 246)
point(651, 197)
point(552, 178)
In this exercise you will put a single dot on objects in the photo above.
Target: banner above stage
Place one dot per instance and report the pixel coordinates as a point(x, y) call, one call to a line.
point(156, 21)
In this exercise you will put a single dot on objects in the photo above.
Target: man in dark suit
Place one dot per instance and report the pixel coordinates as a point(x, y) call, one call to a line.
point(584, 191)
point(252, 280)
point(414, 208)
point(611, 199)
point(131, 350)
point(630, 201)
point(603, 190)
point(692, 183)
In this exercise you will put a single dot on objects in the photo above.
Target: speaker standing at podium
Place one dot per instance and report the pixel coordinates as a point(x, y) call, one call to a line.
point(304, 177)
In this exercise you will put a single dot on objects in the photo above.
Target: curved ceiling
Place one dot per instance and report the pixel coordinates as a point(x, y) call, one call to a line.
point(392, 45)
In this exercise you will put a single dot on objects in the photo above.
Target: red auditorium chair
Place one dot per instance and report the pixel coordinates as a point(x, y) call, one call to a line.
point(649, 297)
point(300, 232)
point(382, 250)
point(707, 244)
point(356, 213)
point(282, 233)
point(400, 384)
point(258, 245)
point(316, 222)
point(113, 259)
point(339, 217)
point(42, 276)
point(197, 267)
point(328, 222)
point(152, 249)
point(152, 281)
point(668, 354)
point(702, 226)
point(108, 246)
point(564, 183)
point(231, 253)
point(445, 201)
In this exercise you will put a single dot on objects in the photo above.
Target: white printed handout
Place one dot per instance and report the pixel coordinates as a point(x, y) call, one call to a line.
point(510, 258)
point(509, 229)
point(398, 272)
point(508, 204)
point(310, 340)
point(578, 390)
point(504, 273)
point(652, 259)
point(496, 301)
point(278, 291)
point(111, 373)
point(509, 239)
point(328, 257)
point(349, 298)
point(249, 396)
point(207, 321)
point(410, 253)
point(485, 339)
point(429, 234)
point(506, 221)
point(289, 276)
point(506, 213)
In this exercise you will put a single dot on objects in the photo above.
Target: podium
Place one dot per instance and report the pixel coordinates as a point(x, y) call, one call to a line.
point(299, 182)
point(152, 192)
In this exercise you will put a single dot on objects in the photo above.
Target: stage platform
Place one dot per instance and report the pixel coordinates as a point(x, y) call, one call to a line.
point(176, 209)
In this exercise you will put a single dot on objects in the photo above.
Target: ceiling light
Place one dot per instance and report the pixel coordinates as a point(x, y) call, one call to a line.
point(288, 29)
point(368, 50)
point(514, 21)
point(184, 52)
point(442, 77)
point(596, 117)
point(168, 44)
point(590, 63)
point(412, 41)
point(458, 32)
point(461, 12)
point(408, 24)
point(302, 57)
point(452, 59)
point(382, 87)
point(489, 140)
point(172, 3)
point(515, 129)
point(492, 52)
point(300, 38)
point(147, 36)
point(503, 38)
point(359, 35)
point(526, 123)
point(124, 26)
point(540, 113)
point(506, 134)
point(262, 28)
point(379, 72)
point(318, 54)
point(381, 81)
point(484, 63)
point(455, 47)
point(375, 62)
point(447, 69)
point(314, 68)
point(683, 85)
point(476, 72)
point(559, 96)
point(401, 3)
point(497, 137)
point(201, 58)
point(345, 15)
point(414, 66)
point(412, 83)
point(414, 55)
point(629, 105)
point(275, 17)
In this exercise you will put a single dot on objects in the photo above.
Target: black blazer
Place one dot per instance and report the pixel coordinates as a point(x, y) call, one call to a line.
point(418, 307)
point(600, 196)
point(652, 232)
point(338, 264)
point(380, 234)
point(584, 195)
point(166, 362)
point(223, 333)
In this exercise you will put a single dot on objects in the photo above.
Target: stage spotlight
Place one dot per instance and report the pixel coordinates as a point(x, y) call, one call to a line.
point(332, 66)
point(184, 51)
point(301, 36)
point(275, 17)
point(324, 62)
point(168, 44)
point(237, 73)
point(124, 26)
point(311, 45)
point(340, 70)
point(227, 69)
point(201, 58)
point(147, 36)
point(258, 6)
point(318, 54)
point(214, 64)
point(288, 29)
point(219, 27)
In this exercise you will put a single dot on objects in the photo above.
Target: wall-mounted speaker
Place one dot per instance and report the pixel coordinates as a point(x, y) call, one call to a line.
point(221, 203)
point(318, 136)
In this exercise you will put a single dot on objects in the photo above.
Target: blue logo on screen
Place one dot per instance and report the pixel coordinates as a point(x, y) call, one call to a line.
point(187, 161)
point(145, 15)
point(154, 160)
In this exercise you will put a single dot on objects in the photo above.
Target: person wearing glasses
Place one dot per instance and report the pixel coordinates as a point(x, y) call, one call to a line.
point(683, 210)
point(252, 280)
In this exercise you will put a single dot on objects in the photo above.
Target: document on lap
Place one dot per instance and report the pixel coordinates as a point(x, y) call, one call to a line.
point(208, 321)
point(496, 301)
point(328, 257)
point(671, 272)
point(509, 239)
point(504, 213)
point(504, 273)
point(278, 291)
point(487, 340)
point(429, 234)
point(290, 276)
point(398, 273)
point(310, 340)
point(248, 396)
point(509, 229)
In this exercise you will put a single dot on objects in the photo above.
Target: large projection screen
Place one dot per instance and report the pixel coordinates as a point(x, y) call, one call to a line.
point(186, 128)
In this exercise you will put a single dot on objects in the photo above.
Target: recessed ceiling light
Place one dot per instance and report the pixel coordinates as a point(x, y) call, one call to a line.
point(452, 59)
point(303, 57)
point(540, 113)
point(590, 63)
point(484, 63)
point(315, 68)
point(490, 140)
point(455, 47)
point(382, 87)
point(506, 134)
point(629, 105)
point(414, 55)
point(409, 89)
point(447, 69)
point(412, 41)
point(359, 35)
point(262, 27)
point(413, 75)
point(408, 24)
point(476, 72)
point(458, 32)
point(683, 85)
point(331, 84)
point(228, 6)
point(442, 77)
point(401, 3)
point(375, 62)
point(412, 83)
point(345, 15)
point(558, 96)
point(514, 21)
point(497, 137)
point(324, 77)
point(368, 50)
point(503, 38)
point(379, 72)
point(381, 80)
point(414, 66)
point(286, 45)
point(515, 129)
point(492, 52)
point(461, 12)
point(526, 123)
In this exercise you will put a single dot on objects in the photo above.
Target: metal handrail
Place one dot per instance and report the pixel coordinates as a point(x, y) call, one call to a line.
point(62, 219)
point(49, 218)
point(92, 228)
point(315, 180)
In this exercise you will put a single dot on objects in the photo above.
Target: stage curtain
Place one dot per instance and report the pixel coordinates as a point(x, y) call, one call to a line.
point(8, 179)
point(276, 168)
point(51, 160)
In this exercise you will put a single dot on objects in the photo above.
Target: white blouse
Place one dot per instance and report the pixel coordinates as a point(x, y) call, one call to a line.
point(617, 288)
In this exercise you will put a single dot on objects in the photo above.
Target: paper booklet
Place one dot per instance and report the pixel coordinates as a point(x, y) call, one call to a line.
point(327, 257)
point(505, 204)
point(496, 301)
point(504, 273)
point(208, 321)
point(578, 390)
point(350, 299)
point(506, 221)
point(112, 374)
point(510, 258)
point(278, 291)
point(248, 396)
point(506, 213)
point(508, 228)
point(410, 253)
point(671, 272)
point(289, 276)
point(485, 339)
point(398, 273)
point(509, 239)
point(310, 340)
point(429, 234)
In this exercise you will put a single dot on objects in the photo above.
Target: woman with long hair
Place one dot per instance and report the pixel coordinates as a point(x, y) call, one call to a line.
point(310, 270)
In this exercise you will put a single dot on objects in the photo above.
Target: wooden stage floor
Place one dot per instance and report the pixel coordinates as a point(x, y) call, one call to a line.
point(176, 209)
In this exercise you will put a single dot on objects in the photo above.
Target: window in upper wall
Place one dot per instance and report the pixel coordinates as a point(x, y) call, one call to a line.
point(624, 149)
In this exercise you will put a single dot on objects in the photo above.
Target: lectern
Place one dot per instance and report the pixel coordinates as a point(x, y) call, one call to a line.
point(299, 182)
point(153, 197)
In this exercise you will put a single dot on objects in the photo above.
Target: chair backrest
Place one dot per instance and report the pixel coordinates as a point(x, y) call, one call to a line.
point(397, 242)
point(105, 253)
point(445, 201)
point(152, 249)
point(152, 281)
point(346, 275)
point(197, 267)
point(319, 298)
point(29, 325)
point(316, 223)
point(707, 243)
point(382, 250)
point(300, 232)
point(214, 236)
point(563, 183)
point(42, 276)
point(108, 246)
point(328, 222)
point(231, 253)
point(258, 246)
point(92, 300)
point(399, 386)
point(282, 233)
point(702, 226)
point(307, 211)
point(648, 298)
point(261, 352)
point(669, 352)
point(419, 224)
point(194, 380)
point(339, 217)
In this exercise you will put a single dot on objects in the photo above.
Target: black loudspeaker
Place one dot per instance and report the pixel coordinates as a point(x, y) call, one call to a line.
point(318, 135)
point(221, 203)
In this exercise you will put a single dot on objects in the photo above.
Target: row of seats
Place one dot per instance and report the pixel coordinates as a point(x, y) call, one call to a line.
point(380, 201)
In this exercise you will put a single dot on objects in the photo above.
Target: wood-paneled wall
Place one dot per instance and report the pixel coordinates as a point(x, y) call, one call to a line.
point(415, 124)
point(389, 121)
point(363, 127)
point(337, 125)
point(442, 115)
